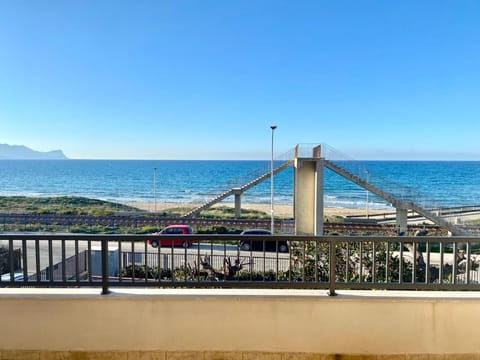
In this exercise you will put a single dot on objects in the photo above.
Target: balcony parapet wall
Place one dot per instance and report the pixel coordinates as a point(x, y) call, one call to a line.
point(208, 323)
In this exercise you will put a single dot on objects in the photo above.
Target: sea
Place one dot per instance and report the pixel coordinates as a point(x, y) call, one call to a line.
point(134, 182)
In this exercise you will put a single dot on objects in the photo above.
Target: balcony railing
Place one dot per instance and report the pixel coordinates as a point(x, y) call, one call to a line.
point(217, 261)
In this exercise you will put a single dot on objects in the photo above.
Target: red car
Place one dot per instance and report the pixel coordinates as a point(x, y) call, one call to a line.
point(170, 240)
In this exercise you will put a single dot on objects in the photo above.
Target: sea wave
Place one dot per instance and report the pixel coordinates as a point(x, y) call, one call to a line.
point(446, 183)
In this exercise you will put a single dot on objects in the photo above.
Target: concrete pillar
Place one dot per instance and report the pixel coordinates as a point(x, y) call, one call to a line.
point(238, 202)
point(402, 219)
point(308, 196)
point(319, 198)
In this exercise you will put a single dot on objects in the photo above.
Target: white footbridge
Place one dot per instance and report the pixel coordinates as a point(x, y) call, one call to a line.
point(309, 162)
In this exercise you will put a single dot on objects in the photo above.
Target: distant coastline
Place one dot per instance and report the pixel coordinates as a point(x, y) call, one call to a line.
point(21, 152)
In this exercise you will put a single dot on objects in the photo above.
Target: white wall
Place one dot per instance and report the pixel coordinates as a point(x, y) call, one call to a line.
point(373, 322)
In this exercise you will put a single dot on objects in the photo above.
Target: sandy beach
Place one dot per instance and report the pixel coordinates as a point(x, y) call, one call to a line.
point(280, 210)
point(283, 211)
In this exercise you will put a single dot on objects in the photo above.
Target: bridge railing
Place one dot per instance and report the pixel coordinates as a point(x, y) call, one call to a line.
point(242, 179)
point(221, 261)
point(360, 170)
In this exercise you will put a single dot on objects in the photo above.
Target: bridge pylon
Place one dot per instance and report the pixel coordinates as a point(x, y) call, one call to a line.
point(308, 192)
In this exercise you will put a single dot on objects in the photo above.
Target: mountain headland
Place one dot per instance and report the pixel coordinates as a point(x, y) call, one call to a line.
point(21, 152)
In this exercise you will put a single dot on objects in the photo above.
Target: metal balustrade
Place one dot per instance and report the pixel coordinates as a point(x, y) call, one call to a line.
point(216, 261)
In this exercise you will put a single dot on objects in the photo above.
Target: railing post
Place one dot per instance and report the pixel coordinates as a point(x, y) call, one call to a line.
point(332, 262)
point(105, 290)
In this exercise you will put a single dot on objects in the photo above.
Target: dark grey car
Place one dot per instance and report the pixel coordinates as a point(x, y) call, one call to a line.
point(262, 245)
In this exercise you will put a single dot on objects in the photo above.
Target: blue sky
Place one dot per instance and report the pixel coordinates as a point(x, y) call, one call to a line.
point(181, 79)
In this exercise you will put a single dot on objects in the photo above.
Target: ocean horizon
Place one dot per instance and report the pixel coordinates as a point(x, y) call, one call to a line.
point(131, 182)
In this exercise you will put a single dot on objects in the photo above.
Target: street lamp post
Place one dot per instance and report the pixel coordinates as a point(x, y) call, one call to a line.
point(366, 200)
point(155, 189)
point(272, 223)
